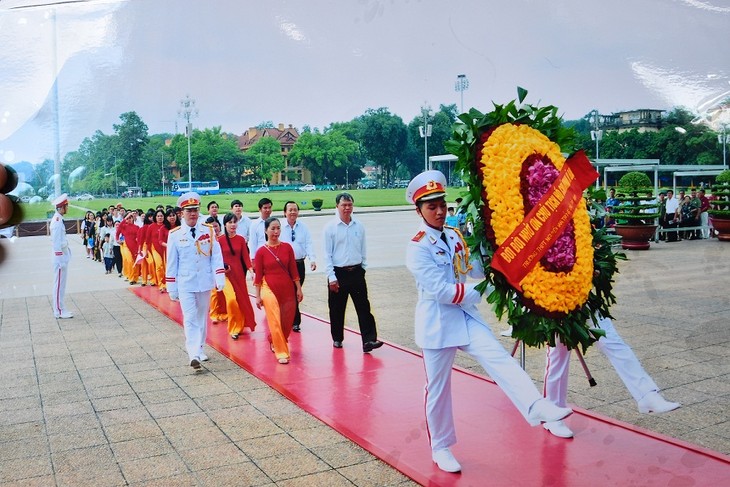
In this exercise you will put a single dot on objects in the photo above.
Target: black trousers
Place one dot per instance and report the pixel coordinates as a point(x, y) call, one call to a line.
point(352, 284)
point(117, 257)
point(301, 268)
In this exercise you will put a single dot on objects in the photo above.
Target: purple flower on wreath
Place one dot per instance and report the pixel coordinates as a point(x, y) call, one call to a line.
point(560, 257)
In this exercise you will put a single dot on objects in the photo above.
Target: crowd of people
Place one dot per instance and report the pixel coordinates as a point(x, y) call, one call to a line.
point(154, 247)
point(203, 263)
point(673, 214)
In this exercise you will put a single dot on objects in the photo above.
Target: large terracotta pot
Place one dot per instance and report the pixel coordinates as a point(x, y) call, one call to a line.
point(722, 225)
point(636, 237)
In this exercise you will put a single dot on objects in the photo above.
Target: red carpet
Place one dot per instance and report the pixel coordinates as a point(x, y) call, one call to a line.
point(376, 401)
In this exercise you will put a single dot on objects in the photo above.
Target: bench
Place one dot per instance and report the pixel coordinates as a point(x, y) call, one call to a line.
point(661, 230)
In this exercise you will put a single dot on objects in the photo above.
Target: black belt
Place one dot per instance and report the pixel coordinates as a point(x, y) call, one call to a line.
point(300, 260)
point(349, 268)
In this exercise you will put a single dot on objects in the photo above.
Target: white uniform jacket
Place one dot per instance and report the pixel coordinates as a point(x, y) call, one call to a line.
point(59, 241)
point(194, 264)
point(444, 300)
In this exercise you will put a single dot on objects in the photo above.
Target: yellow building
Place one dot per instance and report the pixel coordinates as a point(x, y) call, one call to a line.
point(287, 137)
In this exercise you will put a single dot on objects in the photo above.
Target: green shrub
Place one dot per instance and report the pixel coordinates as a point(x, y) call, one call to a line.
point(634, 180)
point(723, 177)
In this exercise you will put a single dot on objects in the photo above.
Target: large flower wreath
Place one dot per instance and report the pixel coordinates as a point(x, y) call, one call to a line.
point(511, 159)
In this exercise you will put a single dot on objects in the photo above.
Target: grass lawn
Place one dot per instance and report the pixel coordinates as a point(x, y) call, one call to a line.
point(363, 198)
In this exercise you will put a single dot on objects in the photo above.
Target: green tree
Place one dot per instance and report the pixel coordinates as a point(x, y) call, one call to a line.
point(265, 158)
point(132, 137)
point(329, 157)
point(413, 160)
point(214, 156)
point(384, 138)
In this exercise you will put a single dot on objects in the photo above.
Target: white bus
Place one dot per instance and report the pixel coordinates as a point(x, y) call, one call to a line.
point(203, 188)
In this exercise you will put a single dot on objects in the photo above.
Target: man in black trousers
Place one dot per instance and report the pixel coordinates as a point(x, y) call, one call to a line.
point(345, 263)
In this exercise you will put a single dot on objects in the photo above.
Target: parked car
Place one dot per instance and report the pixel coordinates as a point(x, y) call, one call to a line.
point(307, 187)
point(263, 189)
point(85, 197)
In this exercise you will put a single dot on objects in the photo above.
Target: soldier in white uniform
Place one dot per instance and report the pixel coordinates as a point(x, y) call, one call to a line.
point(643, 389)
point(447, 320)
point(194, 267)
point(61, 257)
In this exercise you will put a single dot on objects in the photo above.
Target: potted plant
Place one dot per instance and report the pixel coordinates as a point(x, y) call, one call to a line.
point(720, 206)
point(637, 212)
point(317, 204)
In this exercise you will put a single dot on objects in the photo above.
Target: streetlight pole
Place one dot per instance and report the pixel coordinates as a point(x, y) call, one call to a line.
point(187, 111)
point(596, 135)
point(722, 138)
point(462, 84)
point(425, 132)
point(116, 179)
point(162, 171)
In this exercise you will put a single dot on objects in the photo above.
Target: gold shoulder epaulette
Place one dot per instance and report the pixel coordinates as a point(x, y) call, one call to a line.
point(418, 236)
point(175, 229)
point(209, 225)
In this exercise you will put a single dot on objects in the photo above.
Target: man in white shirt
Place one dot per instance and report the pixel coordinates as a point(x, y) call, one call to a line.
point(213, 211)
point(297, 235)
point(671, 215)
point(61, 257)
point(256, 236)
point(244, 222)
point(345, 263)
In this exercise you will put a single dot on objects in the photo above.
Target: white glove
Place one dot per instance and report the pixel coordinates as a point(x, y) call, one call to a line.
point(220, 287)
point(174, 297)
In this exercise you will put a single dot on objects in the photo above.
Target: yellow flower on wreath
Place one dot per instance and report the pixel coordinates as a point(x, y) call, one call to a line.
point(502, 157)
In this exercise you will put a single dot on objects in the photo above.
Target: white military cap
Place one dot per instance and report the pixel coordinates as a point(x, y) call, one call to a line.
point(428, 185)
point(60, 200)
point(191, 199)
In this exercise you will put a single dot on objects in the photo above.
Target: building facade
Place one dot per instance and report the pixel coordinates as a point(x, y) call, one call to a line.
point(643, 120)
point(287, 137)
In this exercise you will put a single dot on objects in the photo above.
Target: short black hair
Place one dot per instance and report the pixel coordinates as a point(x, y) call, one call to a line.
point(236, 202)
point(290, 202)
point(344, 196)
point(264, 201)
point(211, 203)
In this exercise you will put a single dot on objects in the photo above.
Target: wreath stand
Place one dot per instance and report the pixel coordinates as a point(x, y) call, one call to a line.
point(519, 343)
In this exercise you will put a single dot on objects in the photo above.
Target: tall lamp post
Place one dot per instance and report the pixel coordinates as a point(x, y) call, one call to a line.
point(425, 132)
point(187, 111)
point(596, 135)
point(162, 169)
point(722, 138)
point(462, 84)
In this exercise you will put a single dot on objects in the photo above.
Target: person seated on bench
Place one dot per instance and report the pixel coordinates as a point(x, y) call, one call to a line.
point(671, 215)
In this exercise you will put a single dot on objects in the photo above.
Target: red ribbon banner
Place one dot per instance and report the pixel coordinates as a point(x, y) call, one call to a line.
point(529, 241)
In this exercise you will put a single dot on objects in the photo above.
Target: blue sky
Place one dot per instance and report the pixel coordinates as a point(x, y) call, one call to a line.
point(316, 62)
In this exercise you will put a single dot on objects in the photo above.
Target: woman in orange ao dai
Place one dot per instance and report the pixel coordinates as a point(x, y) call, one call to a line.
point(277, 287)
point(236, 262)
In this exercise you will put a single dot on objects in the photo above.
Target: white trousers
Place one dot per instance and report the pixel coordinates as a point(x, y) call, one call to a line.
point(620, 355)
point(195, 307)
point(60, 273)
point(495, 360)
point(705, 221)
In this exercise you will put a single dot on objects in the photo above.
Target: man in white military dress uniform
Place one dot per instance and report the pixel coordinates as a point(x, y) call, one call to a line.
point(194, 267)
point(61, 257)
point(447, 320)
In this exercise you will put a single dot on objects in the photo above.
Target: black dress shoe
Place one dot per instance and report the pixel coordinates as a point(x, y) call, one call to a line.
point(370, 346)
point(337, 344)
point(296, 328)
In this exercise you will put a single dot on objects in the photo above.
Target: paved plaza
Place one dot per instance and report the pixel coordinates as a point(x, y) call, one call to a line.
point(107, 397)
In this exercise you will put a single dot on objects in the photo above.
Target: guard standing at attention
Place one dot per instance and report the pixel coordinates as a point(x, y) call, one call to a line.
point(61, 257)
point(447, 320)
point(194, 267)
